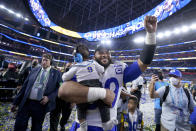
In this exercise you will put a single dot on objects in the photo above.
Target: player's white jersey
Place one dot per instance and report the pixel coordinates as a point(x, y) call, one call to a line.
point(86, 70)
point(113, 79)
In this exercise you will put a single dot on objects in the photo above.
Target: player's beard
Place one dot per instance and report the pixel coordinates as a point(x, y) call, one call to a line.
point(105, 65)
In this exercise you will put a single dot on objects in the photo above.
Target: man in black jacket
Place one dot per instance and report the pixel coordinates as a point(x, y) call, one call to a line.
point(37, 96)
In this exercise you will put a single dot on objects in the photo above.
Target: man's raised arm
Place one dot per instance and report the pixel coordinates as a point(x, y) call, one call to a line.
point(134, 70)
point(146, 56)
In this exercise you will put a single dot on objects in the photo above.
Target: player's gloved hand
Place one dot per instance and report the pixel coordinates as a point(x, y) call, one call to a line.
point(109, 97)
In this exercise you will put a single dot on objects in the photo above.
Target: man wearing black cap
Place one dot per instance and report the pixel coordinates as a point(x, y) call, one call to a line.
point(116, 73)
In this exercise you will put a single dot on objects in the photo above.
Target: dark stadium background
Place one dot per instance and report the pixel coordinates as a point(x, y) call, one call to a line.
point(87, 15)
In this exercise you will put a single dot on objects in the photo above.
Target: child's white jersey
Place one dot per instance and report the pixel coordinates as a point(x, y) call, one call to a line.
point(86, 70)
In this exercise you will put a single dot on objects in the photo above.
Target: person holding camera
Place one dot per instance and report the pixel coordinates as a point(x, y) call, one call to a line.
point(157, 104)
point(177, 103)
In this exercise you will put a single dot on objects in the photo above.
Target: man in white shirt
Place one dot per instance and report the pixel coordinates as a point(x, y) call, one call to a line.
point(177, 104)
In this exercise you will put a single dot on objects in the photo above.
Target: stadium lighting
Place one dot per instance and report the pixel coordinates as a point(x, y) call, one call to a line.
point(18, 15)
point(139, 40)
point(167, 33)
point(107, 42)
point(103, 42)
point(10, 11)
point(185, 29)
point(160, 35)
point(26, 19)
point(176, 31)
point(193, 26)
point(38, 34)
point(2, 6)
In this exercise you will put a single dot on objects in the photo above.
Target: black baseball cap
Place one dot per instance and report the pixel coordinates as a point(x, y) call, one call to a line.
point(102, 48)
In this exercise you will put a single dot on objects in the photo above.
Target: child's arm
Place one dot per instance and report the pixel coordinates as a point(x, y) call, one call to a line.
point(126, 94)
point(70, 74)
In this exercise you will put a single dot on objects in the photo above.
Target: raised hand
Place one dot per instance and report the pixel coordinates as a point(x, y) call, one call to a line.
point(150, 24)
point(154, 78)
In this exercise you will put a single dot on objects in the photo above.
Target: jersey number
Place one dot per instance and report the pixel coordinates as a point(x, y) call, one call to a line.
point(107, 86)
point(90, 69)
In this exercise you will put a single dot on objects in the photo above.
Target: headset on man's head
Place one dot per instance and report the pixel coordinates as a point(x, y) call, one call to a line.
point(51, 59)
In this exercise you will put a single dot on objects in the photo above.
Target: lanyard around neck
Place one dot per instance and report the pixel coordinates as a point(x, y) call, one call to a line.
point(45, 77)
point(173, 100)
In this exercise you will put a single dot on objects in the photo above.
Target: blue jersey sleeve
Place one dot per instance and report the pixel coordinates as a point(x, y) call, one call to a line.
point(74, 78)
point(131, 72)
point(193, 117)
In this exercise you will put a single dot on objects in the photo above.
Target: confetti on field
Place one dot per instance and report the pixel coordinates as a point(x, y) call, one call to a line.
point(7, 118)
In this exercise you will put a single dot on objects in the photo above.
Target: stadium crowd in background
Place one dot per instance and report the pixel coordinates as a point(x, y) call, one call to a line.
point(174, 105)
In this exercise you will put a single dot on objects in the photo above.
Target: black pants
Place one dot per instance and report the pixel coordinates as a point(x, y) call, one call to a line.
point(158, 127)
point(103, 109)
point(61, 107)
point(138, 94)
point(31, 109)
point(158, 119)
